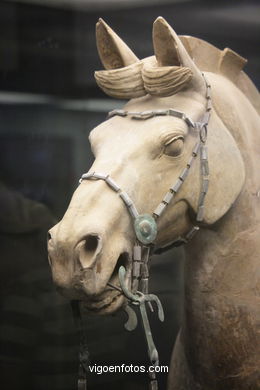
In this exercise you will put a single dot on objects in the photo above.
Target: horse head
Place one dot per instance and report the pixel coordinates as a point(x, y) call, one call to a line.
point(141, 153)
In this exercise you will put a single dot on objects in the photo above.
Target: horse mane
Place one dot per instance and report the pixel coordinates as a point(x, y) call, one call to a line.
point(209, 58)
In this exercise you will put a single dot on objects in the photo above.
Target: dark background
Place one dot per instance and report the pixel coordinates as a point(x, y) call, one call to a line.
point(52, 50)
point(49, 102)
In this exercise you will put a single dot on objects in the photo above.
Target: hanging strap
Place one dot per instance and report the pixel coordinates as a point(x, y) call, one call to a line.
point(83, 348)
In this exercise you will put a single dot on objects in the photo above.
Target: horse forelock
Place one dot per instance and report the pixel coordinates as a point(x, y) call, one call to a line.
point(143, 77)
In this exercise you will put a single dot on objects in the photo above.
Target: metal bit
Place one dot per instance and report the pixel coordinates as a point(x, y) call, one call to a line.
point(131, 322)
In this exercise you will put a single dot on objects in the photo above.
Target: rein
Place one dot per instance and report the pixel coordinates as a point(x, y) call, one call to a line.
point(145, 227)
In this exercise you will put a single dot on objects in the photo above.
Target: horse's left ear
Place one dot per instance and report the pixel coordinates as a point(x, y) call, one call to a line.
point(170, 52)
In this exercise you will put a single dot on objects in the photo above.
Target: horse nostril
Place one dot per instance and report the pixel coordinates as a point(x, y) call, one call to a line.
point(91, 243)
point(49, 237)
point(87, 250)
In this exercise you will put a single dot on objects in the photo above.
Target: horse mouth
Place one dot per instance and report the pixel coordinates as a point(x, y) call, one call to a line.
point(112, 298)
point(108, 304)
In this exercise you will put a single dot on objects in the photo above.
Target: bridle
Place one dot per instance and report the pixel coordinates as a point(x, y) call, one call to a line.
point(145, 228)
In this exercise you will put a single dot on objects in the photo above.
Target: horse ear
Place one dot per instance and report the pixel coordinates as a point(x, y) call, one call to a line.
point(170, 51)
point(122, 78)
point(113, 52)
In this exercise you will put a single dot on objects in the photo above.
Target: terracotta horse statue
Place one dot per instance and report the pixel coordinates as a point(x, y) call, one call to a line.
point(186, 160)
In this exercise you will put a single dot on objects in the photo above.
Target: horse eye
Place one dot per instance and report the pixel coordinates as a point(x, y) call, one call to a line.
point(174, 147)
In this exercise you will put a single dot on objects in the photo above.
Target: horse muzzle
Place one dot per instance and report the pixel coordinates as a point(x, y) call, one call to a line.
point(86, 269)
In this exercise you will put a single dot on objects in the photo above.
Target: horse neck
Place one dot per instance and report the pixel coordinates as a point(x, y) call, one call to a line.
point(237, 233)
point(222, 260)
point(241, 120)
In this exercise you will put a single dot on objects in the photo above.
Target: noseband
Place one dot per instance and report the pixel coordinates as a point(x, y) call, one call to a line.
point(145, 225)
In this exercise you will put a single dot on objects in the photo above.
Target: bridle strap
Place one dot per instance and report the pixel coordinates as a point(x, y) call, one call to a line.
point(151, 114)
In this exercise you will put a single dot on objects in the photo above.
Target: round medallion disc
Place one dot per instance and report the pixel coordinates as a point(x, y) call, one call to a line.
point(145, 228)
